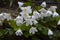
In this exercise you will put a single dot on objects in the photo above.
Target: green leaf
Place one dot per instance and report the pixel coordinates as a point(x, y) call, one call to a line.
point(13, 25)
point(39, 27)
point(10, 31)
point(1, 33)
point(5, 31)
point(26, 34)
point(56, 33)
point(38, 7)
point(23, 27)
point(29, 4)
point(35, 38)
point(43, 29)
point(57, 18)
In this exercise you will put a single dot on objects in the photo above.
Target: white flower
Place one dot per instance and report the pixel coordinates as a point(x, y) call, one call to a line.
point(43, 14)
point(28, 22)
point(50, 32)
point(19, 20)
point(34, 21)
point(24, 15)
point(26, 9)
point(4, 16)
point(58, 22)
point(36, 15)
point(55, 14)
point(1, 17)
point(53, 8)
point(48, 13)
point(33, 30)
point(19, 32)
point(20, 4)
point(43, 10)
point(31, 21)
point(7, 16)
point(43, 4)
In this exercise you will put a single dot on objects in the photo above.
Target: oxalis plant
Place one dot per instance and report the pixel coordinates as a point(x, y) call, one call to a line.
point(34, 23)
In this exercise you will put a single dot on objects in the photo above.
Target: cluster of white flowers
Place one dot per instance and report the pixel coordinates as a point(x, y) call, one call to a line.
point(4, 16)
point(50, 11)
point(32, 20)
point(28, 19)
point(25, 17)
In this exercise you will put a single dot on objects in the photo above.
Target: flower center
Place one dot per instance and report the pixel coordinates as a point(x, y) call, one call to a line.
point(24, 14)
